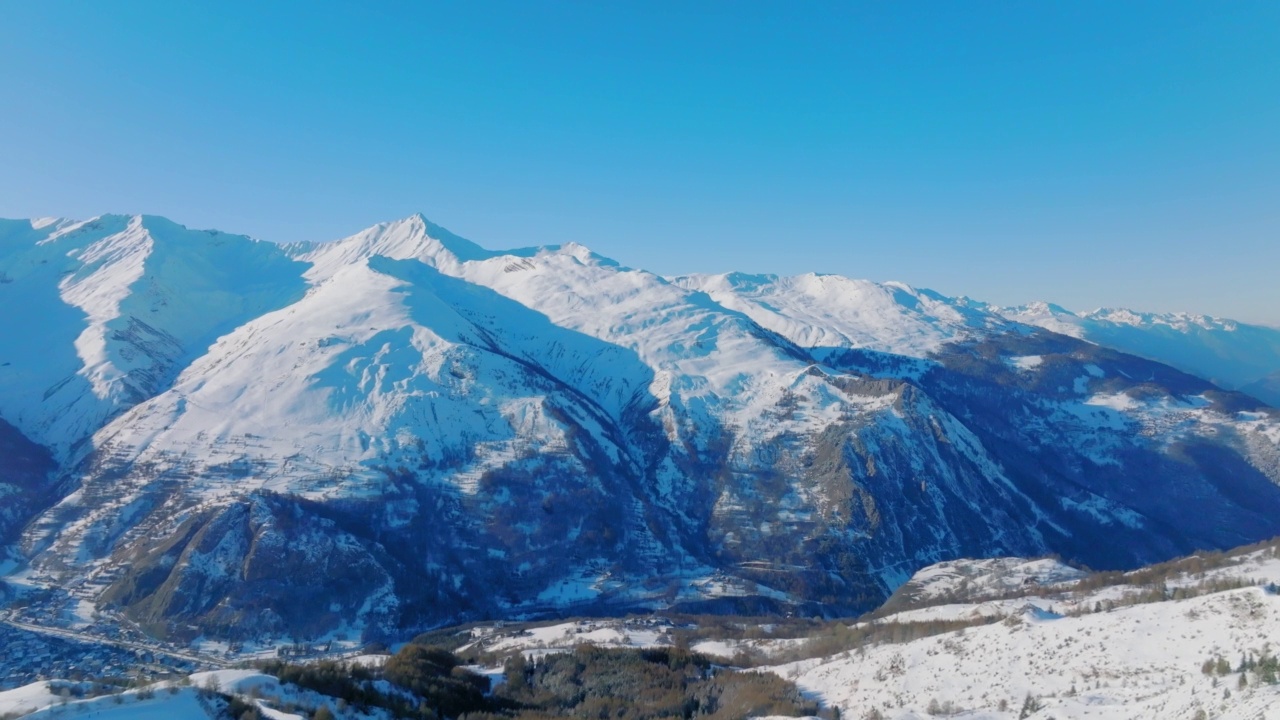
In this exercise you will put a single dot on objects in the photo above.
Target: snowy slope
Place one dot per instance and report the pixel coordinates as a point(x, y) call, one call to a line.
point(129, 706)
point(830, 311)
point(976, 579)
point(364, 370)
point(688, 347)
point(113, 308)
point(194, 699)
point(1137, 661)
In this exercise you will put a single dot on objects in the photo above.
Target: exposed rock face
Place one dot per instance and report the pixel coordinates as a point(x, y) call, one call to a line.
point(264, 564)
point(26, 485)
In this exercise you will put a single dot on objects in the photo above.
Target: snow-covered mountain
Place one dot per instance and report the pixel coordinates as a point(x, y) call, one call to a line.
point(826, 312)
point(1232, 354)
point(418, 429)
point(110, 310)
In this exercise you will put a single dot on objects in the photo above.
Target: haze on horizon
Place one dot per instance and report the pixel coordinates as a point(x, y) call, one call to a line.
point(1089, 154)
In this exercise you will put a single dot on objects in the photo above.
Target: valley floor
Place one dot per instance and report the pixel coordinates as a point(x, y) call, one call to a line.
point(977, 639)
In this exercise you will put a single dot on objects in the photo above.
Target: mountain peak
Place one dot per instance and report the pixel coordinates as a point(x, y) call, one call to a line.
point(122, 228)
point(410, 238)
point(416, 231)
point(1045, 307)
point(1180, 321)
point(575, 250)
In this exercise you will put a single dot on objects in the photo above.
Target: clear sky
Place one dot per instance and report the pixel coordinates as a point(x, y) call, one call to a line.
point(1088, 153)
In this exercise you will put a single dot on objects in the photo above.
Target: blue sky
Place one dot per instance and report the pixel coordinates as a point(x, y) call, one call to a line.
point(1088, 153)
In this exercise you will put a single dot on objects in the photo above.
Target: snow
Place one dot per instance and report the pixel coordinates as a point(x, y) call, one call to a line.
point(370, 661)
point(114, 307)
point(563, 637)
point(570, 591)
point(361, 370)
point(1139, 661)
point(1136, 662)
point(163, 706)
point(1025, 362)
point(170, 701)
point(27, 698)
point(1105, 512)
point(718, 648)
point(987, 576)
point(728, 649)
point(495, 673)
point(273, 714)
point(1048, 316)
point(36, 701)
point(265, 691)
point(83, 614)
point(1114, 401)
point(235, 680)
point(830, 311)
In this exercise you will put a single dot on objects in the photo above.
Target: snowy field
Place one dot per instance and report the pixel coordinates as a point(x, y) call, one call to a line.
point(169, 701)
point(1129, 663)
point(1137, 662)
point(35, 701)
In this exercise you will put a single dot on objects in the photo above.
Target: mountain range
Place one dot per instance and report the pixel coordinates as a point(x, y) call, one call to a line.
point(1231, 354)
point(207, 434)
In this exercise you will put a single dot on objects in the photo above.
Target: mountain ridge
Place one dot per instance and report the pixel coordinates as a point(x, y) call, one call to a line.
point(482, 433)
point(1233, 354)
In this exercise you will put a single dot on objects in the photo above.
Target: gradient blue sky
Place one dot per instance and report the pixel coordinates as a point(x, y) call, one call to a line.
point(1088, 153)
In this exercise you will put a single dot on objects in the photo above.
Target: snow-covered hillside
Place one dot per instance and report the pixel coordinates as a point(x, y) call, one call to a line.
point(1074, 653)
point(423, 430)
point(199, 696)
point(110, 310)
point(829, 311)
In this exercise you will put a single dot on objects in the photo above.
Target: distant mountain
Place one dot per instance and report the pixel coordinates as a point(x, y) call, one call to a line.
point(418, 430)
point(1266, 388)
point(1231, 354)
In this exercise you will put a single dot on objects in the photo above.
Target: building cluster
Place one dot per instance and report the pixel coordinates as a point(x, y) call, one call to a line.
point(29, 657)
